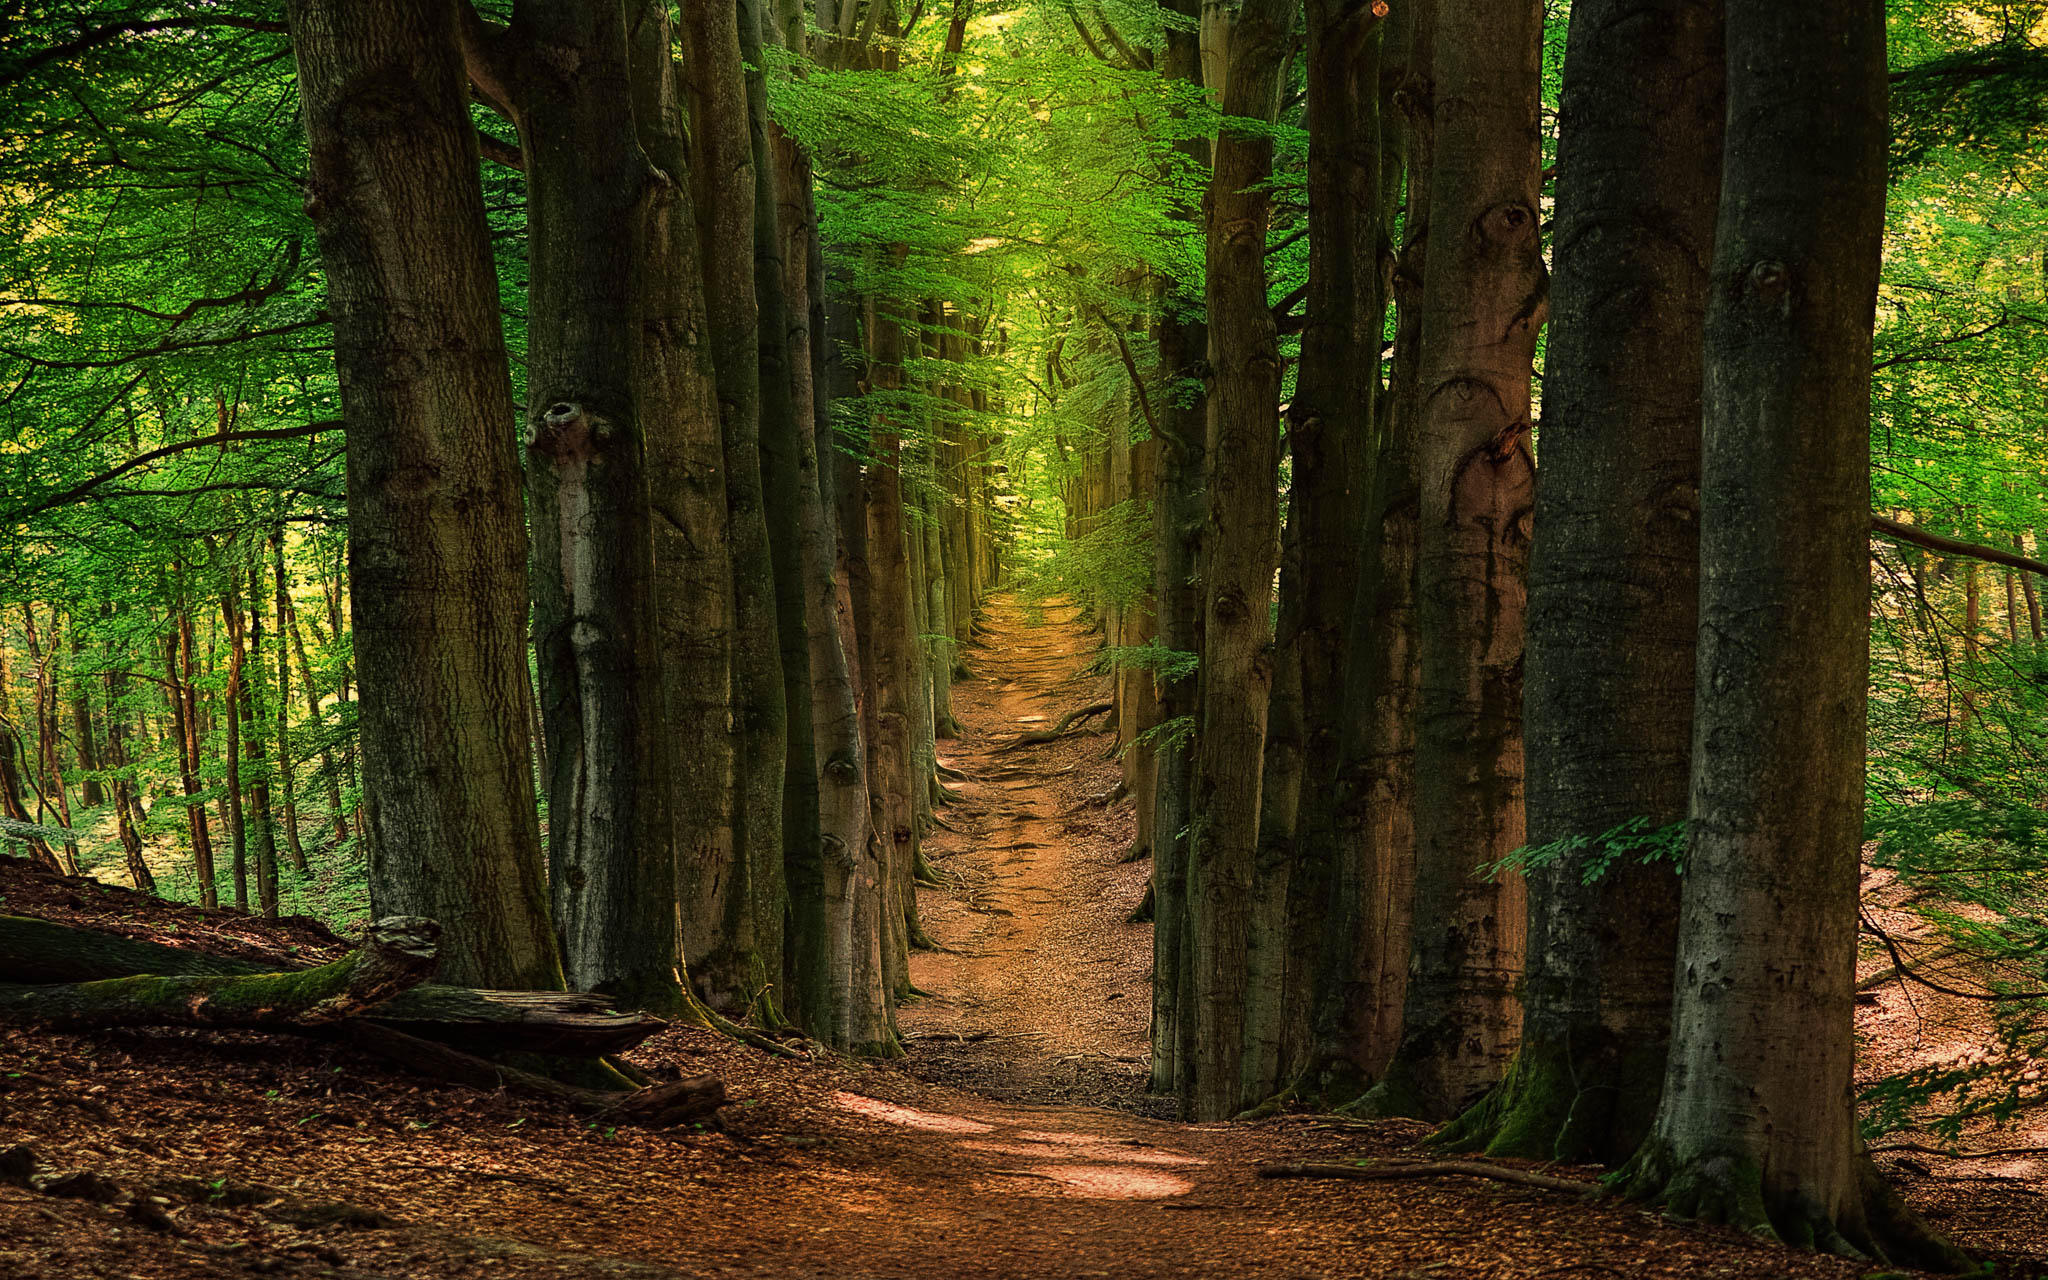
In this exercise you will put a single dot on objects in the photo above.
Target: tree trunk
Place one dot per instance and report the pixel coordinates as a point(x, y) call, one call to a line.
point(550, 1022)
point(451, 823)
point(49, 760)
point(335, 814)
point(887, 663)
point(721, 929)
point(782, 480)
point(596, 205)
point(1182, 340)
point(1483, 302)
point(1330, 437)
point(128, 815)
point(233, 811)
point(1757, 1126)
point(249, 660)
point(1361, 974)
point(90, 791)
point(185, 727)
point(2033, 600)
point(1240, 538)
point(287, 764)
point(1614, 578)
point(686, 478)
point(825, 879)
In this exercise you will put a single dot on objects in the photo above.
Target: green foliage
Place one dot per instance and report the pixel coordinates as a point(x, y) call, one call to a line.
point(1632, 841)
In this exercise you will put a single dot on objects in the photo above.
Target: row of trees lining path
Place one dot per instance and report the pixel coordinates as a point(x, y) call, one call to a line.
point(683, 382)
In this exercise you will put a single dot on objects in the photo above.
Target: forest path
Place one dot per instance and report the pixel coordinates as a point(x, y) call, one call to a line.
point(1041, 993)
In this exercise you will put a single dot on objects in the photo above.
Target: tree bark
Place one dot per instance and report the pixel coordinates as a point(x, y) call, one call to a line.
point(721, 928)
point(1614, 577)
point(336, 815)
point(1330, 434)
point(1182, 340)
point(185, 727)
point(451, 821)
point(596, 206)
point(1757, 1126)
point(686, 477)
point(1240, 537)
point(1483, 302)
point(1361, 976)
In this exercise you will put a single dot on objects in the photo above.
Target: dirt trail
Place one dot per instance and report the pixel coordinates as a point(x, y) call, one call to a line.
point(1041, 992)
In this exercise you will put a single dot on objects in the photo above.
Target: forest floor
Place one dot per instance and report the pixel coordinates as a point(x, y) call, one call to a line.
point(1014, 1140)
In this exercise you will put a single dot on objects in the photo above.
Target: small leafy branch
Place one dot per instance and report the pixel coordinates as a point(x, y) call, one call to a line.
point(1633, 841)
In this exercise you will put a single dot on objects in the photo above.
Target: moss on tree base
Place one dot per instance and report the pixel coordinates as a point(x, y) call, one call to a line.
point(1726, 1188)
point(1593, 1107)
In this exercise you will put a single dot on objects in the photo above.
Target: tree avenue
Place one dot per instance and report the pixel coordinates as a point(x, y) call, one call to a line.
point(1555, 489)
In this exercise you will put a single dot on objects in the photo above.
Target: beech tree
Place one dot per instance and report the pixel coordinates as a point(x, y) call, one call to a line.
point(421, 363)
point(1757, 1125)
point(1484, 296)
point(1613, 578)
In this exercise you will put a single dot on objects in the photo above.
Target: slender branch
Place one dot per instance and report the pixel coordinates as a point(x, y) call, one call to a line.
point(135, 26)
point(77, 491)
point(1954, 547)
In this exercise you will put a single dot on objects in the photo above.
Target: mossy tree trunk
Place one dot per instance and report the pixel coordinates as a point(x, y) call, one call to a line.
point(1484, 299)
point(1757, 1126)
point(1614, 577)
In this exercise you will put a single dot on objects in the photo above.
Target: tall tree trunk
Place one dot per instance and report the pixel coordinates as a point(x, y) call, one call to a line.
point(233, 810)
point(1182, 341)
point(254, 726)
point(821, 958)
point(1361, 977)
point(596, 205)
point(887, 663)
point(1330, 435)
point(1240, 538)
point(1483, 302)
point(128, 815)
point(1614, 577)
point(782, 480)
point(13, 763)
point(686, 474)
point(451, 822)
point(2033, 600)
point(720, 903)
point(1757, 1126)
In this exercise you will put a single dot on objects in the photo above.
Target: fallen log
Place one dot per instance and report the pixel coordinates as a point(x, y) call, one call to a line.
point(566, 1023)
point(654, 1107)
point(395, 954)
point(1429, 1169)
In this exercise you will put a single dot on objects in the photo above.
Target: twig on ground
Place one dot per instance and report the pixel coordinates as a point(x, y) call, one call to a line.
point(1429, 1169)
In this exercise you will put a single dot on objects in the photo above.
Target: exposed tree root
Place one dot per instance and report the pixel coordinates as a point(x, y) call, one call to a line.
point(1138, 852)
point(1059, 730)
point(951, 774)
point(1430, 1169)
point(1726, 1188)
